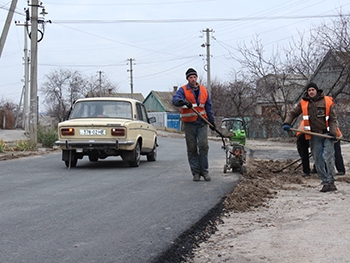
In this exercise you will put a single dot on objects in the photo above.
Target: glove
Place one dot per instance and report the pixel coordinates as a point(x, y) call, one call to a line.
point(188, 104)
point(286, 127)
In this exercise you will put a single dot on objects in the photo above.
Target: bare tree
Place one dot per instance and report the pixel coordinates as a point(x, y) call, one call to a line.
point(303, 56)
point(98, 87)
point(272, 79)
point(8, 111)
point(334, 38)
point(61, 88)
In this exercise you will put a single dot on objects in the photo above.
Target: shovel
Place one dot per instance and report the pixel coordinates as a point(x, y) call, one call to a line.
point(280, 170)
point(319, 134)
point(210, 125)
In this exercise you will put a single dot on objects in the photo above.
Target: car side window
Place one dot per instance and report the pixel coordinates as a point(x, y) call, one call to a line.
point(141, 112)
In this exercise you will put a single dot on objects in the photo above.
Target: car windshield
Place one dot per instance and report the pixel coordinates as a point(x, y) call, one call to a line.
point(102, 109)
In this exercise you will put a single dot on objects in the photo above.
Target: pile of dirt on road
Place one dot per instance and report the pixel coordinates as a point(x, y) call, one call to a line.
point(260, 183)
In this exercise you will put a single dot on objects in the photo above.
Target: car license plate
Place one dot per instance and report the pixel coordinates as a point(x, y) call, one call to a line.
point(93, 132)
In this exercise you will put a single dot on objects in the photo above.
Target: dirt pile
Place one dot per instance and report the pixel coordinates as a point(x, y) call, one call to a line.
point(260, 183)
point(280, 217)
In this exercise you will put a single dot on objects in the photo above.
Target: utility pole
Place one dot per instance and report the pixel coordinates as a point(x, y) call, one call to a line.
point(7, 24)
point(100, 82)
point(33, 113)
point(25, 93)
point(33, 116)
point(207, 45)
point(26, 75)
point(131, 60)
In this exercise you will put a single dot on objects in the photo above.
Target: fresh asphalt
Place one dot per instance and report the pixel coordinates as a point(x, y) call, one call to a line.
point(105, 211)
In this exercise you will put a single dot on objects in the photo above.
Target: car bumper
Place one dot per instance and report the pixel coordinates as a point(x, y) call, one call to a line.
point(69, 144)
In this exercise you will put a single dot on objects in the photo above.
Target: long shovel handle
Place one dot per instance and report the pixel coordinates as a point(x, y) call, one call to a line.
point(210, 125)
point(280, 170)
point(319, 134)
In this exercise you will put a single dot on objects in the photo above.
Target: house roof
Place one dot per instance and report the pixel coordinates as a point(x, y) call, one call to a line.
point(334, 59)
point(165, 99)
point(290, 84)
point(136, 96)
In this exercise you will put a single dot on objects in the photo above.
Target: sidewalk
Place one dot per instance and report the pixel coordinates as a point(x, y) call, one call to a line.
point(12, 135)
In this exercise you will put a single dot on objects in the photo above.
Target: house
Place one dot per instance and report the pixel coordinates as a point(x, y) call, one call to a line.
point(159, 104)
point(333, 74)
point(277, 90)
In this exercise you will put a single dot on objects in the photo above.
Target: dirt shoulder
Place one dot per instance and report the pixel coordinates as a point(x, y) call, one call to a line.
point(281, 217)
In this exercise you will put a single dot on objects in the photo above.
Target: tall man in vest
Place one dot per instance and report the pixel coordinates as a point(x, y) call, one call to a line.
point(196, 129)
point(319, 117)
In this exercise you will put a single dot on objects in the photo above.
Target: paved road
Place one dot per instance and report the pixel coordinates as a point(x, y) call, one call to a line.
point(105, 211)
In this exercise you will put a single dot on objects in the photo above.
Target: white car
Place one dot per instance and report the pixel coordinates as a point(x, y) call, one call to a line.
point(100, 127)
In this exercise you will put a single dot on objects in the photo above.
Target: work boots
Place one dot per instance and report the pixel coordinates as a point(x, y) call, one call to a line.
point(332, 187)
point(196, 177)
point(328, 187)
point(206, 177)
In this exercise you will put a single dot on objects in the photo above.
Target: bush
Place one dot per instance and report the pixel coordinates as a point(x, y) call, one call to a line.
point(2, 146)
point(26, 145)
point(47, 137)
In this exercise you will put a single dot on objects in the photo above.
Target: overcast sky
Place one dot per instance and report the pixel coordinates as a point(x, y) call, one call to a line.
point(164, 38)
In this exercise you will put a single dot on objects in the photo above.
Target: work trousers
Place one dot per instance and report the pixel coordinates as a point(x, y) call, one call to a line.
point(323, 152)
point(303, 150)
point(196, 135)
point(339, 162)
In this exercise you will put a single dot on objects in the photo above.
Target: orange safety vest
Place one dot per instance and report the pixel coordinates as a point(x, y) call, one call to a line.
point(188, 115)
point(305, 124)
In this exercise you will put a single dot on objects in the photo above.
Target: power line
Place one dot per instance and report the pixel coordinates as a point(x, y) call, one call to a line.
point(257, 18)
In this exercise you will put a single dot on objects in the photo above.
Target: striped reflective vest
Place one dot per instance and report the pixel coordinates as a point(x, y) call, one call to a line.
point(305, 111)
point(188, 115)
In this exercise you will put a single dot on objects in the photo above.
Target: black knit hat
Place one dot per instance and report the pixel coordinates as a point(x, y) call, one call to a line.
point(190, 72)
point(312, 85)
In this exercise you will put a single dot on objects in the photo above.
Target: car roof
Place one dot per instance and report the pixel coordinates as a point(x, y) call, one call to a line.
point(107, 99)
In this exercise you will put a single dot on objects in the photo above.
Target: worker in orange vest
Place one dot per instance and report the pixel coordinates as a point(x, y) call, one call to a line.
point(194, 95)
point(319, 117)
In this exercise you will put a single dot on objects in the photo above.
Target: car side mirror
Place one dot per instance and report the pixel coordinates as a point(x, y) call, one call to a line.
point(152, 119)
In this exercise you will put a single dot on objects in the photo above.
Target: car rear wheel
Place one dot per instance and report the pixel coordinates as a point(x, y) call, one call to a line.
point(152, 156)
point(136, 156)
point(73, 162)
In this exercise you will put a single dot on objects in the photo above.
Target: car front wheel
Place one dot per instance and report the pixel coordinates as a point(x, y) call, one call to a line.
point(152, 156)
point(136, 156)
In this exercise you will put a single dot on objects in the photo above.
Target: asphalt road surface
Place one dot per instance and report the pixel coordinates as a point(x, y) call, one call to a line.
point(104, 211)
